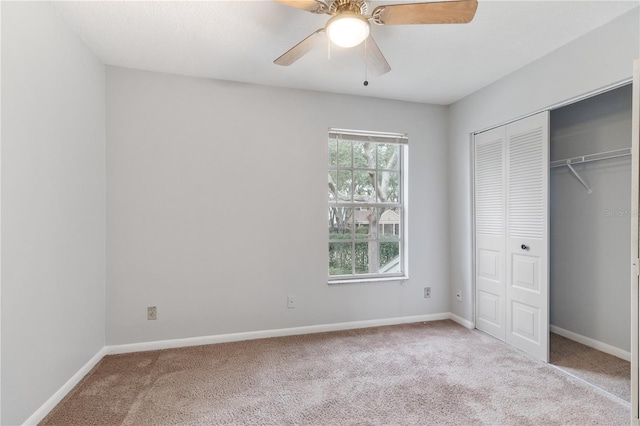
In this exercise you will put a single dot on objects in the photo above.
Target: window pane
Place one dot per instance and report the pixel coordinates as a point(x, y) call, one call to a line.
point(340, 259)
point(345, 180)
point(363, 186)
point(388, 156)
point(364, 155)
point(361, 254)
point(365, 221)
point(388, 187)
point(389, 223)
point(333, 152)
point(389, 257)
point(340, 223)
point(344, 153)
point(332, 186)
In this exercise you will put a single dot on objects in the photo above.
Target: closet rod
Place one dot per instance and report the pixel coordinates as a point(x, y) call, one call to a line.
point(591, 157)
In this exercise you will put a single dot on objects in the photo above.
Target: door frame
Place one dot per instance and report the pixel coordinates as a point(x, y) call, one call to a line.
point(635, 246)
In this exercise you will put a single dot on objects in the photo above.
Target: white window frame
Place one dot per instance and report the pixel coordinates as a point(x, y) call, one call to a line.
point(400, 139)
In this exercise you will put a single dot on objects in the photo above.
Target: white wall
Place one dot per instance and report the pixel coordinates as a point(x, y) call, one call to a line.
point(596, 60)
point(591, 297)
point(53, 207)
point(217, 207)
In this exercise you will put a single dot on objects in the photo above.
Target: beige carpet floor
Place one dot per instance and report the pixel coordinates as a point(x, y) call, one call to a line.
point(437, 373)
point(598, 368)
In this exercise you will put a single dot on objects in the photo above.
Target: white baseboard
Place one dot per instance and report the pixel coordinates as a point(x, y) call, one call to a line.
point(592, 343)
point(50, 404)
point(263, 334)
point(42, 412)
point(463, 322)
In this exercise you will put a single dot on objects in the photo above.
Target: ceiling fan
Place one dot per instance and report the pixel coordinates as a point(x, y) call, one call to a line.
point(349, 24)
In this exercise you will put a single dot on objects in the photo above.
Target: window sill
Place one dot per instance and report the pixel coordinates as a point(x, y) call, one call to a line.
point(367, 280)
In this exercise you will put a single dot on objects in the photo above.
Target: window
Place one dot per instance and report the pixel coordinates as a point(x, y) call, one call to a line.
point(367, 207)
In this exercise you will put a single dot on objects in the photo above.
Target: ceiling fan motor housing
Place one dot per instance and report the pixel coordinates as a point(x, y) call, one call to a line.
point(358, 7)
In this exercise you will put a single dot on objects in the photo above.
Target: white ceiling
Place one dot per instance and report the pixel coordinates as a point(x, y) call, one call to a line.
point(238, 40)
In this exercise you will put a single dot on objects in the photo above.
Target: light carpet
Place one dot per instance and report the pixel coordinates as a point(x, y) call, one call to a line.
point(598, 368)
point(438, 373)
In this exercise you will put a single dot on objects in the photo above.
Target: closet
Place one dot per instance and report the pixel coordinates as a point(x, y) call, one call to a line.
point(552, 226)
point(590, 221)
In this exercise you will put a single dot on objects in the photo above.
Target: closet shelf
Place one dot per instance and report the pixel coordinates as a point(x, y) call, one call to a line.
point(591, 157)
point(569, 162)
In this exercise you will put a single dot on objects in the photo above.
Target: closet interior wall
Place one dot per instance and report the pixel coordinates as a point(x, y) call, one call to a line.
point(590, 232)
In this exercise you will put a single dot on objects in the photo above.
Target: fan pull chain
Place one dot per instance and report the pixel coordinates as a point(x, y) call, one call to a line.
point(366, 80)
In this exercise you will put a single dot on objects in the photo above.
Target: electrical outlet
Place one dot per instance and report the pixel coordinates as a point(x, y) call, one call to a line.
point(459, 295)
point(152, 313)
point(291, 302)
point(427, 292)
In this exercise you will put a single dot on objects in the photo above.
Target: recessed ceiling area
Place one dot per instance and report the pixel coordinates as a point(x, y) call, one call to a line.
point(238, 41)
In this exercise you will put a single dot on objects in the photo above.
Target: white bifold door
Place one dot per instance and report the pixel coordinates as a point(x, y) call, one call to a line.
point(490, 213)
point(511, 205)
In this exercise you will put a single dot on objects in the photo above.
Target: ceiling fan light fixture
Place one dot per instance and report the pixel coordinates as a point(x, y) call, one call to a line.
point(348, 29)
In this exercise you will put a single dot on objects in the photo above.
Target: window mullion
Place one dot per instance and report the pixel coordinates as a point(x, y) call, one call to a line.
point(353, 255)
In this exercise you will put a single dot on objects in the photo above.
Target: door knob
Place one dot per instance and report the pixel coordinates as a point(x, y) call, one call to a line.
point(524, 247)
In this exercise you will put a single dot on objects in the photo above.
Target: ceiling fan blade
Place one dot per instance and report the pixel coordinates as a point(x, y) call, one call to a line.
point(376, 62)
point(314, 6)
point(446, 12)
point(299, 50)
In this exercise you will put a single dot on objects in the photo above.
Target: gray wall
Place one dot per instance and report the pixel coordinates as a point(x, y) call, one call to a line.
point(598, 59)
point(591, 233)
point(217, 207)
point(53, 207)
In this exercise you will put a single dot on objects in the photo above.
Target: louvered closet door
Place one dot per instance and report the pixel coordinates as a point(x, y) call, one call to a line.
point(490, 236)
point(527, 249)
